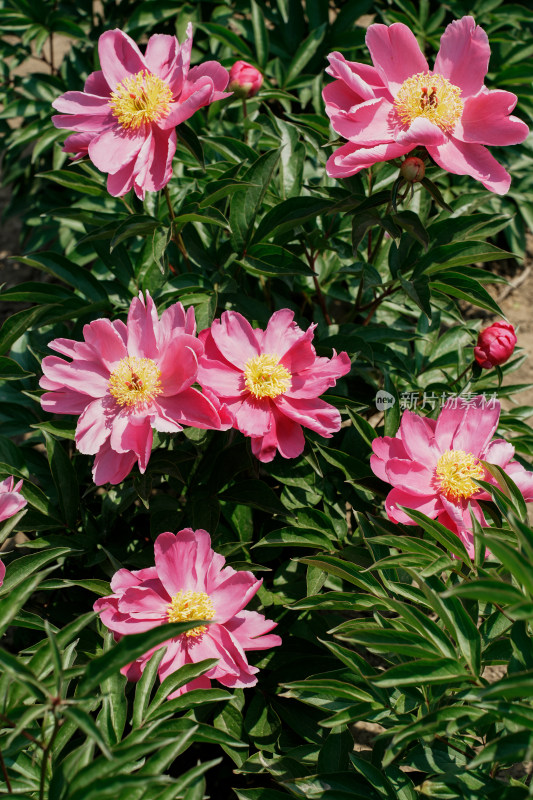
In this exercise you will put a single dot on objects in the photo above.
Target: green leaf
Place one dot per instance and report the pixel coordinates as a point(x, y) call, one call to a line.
point(245, 205)
point(295, 537)
point(422, 672)
point(260, 34)
point(35, 497)
point(257, 494)
point(227, 37)
point(18, 597)
point(466, 288)
point(144, 688)
point(85, 722)
point(17, 324)
point(72, 179)
point(347, 571)
point(22, 567)
point(178, 679)
point(65, 479)
point(273, 260)
point(134, 225)
point(305, 53)
point(290, 214)
point(438, 532)
point(59, 266)
point(457, 254)
point(510, 749)
point(128, 649)
point(10, 370)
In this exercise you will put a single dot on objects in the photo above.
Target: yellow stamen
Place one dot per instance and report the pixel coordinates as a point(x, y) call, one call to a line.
point(141, 99)
point(432, 97)
point(456, 470)
point(191, 605)
point(264, 376)
point(135, 381)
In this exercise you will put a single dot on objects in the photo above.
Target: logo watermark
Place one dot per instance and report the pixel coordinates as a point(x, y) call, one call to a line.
point(432, 400)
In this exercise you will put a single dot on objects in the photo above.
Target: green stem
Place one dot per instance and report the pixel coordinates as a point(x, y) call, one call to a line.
point(321, 300)
point(176, 237)
point(46, 756)
point(4, 772)
point(245, 115)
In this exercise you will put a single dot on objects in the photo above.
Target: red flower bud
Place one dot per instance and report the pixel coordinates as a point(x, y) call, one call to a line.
point(244, 80)
point(413, 169)
point(495, 345)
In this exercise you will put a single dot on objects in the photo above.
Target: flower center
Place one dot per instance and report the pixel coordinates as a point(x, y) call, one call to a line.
point(135, 381)
point(191, 605)
point(264, 376)
point(430, 96)
point(141, 99)
point(456, 470)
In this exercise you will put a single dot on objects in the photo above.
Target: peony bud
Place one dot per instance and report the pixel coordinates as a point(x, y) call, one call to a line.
point(413, 169)
point(495, 345)
point(244, 80)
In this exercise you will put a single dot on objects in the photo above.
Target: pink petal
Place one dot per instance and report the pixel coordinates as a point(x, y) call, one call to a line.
point(143, 603)
point(477, 426)
point(124, 578)
point(253, 415)
point(486, 120)
point(190, 407)
point(143, 325)
point(159, 168)
point(498, 452)
point(421, 132)
point(212, 70)
point(161, 54)
point(224, 380)
point(351, 158)
point(359, 80)
point(83, 377)
point(395, 53)
point(94, 425)
point(315, 414)
point(121, 182)
point(182, 560)
point(106, 342)
point(130, 432)
point(66, 402)
point(410, 476)
point(319, 377)
point(10, 504)
point(464, 55)
point(97, 84)
point(460, 158)
point(178, 365)
point(89, 123)
point(82, 104)
point(429, 505)
point(207, 646)
point(249, 629)
point(285, 436)
point(523, 479)
point(233, 594)
point(367, 124)
point(235, 338)
point(282, 333)
point(114, 149)
point(110, 466)
point(2, 572)
point(119, 57)
point(418, 439)
point(180, 111)
point(175, 320)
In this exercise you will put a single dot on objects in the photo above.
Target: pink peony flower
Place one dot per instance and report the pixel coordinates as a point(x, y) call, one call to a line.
point(432, 465)
point(189, 581)
point(495, 345)
point(386, 110)
point(244, 79)
point(11, 502)
point(125, 118)
point(271, 380)
point(124, 380)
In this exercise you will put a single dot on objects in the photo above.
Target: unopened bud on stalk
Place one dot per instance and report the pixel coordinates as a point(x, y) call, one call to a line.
point(244, 80)
point(413, 169)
